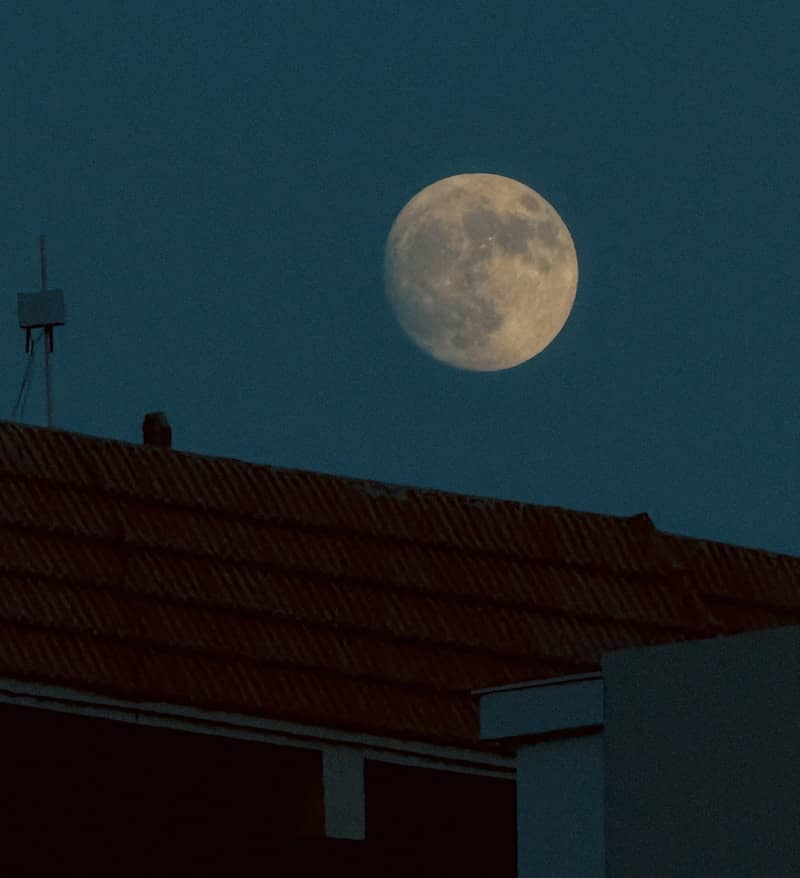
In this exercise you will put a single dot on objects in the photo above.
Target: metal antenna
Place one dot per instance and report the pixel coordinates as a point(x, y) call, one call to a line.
point(43, 260)
point(43, 309)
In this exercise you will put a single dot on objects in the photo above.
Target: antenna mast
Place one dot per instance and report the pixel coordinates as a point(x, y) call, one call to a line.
point(44, 309)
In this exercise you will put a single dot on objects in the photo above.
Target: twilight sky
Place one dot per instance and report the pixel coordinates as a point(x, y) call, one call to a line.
point(217, 181)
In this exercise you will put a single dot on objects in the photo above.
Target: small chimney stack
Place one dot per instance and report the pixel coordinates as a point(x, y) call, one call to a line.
point(156, 430)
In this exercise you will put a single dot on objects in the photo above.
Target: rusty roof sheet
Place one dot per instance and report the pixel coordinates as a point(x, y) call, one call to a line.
point(156, 574)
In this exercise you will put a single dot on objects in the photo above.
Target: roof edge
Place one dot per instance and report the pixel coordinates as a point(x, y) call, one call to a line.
point(285, 733)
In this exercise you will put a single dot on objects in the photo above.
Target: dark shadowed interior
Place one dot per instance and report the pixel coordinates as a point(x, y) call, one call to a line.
point(91, 795)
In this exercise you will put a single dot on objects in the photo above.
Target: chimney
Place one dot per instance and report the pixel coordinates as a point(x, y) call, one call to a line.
point(156, 430)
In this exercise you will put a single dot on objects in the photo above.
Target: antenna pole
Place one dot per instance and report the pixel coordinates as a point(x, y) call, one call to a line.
point(43, 260)
point(48, 338)
point(43, 310)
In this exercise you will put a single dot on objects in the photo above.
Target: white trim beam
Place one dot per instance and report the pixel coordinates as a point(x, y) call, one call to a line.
point(542, 707)
point(343, 788)
point(420, 754)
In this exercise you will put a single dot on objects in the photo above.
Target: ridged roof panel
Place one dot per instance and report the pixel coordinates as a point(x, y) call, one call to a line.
point(241, 490)
point(152, 573)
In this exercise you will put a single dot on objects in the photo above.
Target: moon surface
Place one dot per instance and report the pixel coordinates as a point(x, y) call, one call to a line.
point(481, 271)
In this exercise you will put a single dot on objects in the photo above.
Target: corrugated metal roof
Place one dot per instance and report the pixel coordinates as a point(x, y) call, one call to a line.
point(155, 574)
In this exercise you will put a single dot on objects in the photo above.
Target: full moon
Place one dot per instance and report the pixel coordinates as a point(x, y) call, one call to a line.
point(481, 271)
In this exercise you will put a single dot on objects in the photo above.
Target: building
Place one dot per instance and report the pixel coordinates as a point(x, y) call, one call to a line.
point(678, 759)
point(208, 665)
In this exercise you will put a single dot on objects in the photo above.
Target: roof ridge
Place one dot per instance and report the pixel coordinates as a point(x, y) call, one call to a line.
point(695, 546)
point(371, 487)
point(379, 488)
point(661, 563)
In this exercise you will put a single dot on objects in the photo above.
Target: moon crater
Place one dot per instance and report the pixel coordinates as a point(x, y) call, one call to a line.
point(481, 271)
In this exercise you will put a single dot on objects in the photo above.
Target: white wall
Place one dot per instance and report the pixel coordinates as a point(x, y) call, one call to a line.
point(557, 727)
point(702, 755)
point(560, 809)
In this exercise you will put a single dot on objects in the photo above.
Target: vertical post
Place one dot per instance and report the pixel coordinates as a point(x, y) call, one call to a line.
point(343, 793)
point(43, 260)
point(561, 776)
point(48, 338)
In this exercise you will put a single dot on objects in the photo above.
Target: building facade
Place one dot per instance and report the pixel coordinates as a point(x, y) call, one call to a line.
point(209, 664)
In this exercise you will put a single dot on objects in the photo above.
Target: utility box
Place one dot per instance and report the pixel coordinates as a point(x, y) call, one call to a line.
point(45, 308)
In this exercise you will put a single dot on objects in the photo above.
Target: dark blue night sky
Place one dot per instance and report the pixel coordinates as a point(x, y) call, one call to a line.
point(217, 181)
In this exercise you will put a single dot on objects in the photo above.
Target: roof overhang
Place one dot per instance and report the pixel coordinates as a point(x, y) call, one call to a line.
point(557, 706)
point(420, 754)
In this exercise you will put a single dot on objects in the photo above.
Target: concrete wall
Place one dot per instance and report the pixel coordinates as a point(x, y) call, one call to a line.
point(560, 808)
point(556, 725)
point(702, 754)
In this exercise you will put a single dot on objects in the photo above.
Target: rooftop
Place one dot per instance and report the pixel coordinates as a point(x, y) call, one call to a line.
point(148, 573)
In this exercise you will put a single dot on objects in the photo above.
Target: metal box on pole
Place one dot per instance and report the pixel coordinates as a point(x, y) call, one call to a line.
point(45, 308)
